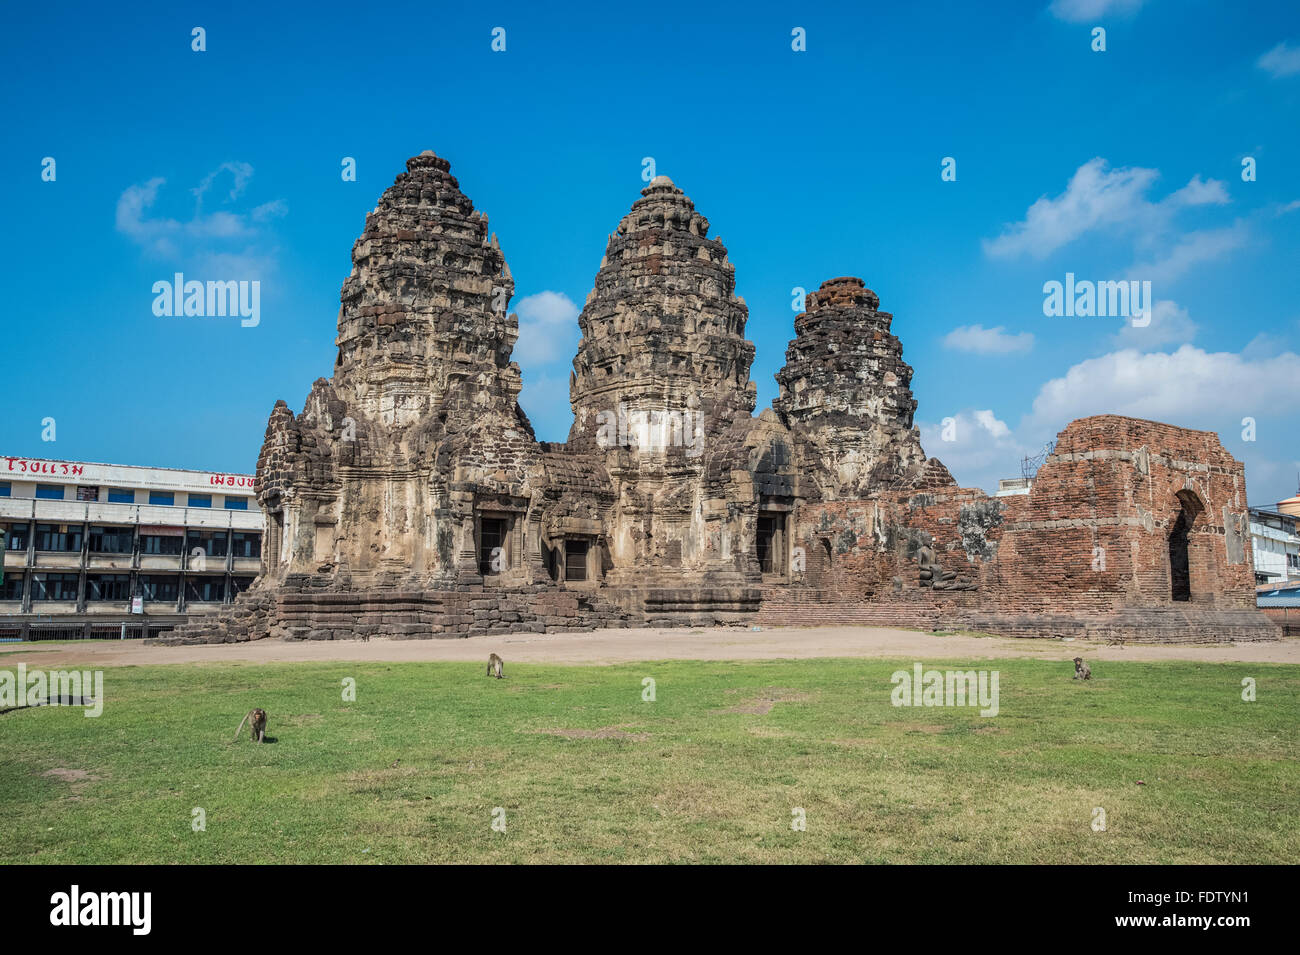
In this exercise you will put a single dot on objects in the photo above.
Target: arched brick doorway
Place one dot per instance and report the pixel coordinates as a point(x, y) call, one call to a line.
point(1181, 554)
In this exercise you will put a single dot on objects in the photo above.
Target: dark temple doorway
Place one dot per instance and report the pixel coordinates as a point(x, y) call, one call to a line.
point(491, 544)
point(1180, 574)
point(1180, 565)
point(769, 539)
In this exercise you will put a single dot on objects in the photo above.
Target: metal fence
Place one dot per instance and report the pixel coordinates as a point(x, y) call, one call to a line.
point(34, 632)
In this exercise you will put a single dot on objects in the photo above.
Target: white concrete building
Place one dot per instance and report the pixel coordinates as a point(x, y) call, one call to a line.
point(105, 549)
point(1011, 487)
point(1275, 540)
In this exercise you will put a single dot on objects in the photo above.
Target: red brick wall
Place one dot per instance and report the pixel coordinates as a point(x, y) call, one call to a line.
point(1091, 539)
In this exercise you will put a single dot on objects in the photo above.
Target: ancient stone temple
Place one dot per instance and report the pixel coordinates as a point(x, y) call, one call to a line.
point(411, 498)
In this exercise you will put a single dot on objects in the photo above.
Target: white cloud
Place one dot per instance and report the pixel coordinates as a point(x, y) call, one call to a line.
point(275, 209)
point(1113, 203)
point(1170, 325)
point(1282, 60)
point(987, 341)
point(982, 449)
point(1098, 198)
point(548, 328)
point(1190, 387)
point(1095, 197)
point(221, 240)
point(1199, 192)
point(1192, 249)
point(240, 172)
point(1082, 11)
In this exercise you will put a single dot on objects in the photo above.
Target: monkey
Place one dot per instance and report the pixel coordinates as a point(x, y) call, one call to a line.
point(257, 725)
point(1081, 670)
point(495, 663)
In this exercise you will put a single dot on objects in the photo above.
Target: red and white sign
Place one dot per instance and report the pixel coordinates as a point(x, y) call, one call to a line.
point(23, 466)
point(126, 475)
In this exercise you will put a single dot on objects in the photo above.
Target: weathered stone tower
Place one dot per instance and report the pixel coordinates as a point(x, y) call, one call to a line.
point(377, 479)
point(661, 392)
point(846, 393)
point(663, 330)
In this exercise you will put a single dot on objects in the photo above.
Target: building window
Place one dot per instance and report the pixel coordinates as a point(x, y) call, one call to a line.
point(108, 587)
point(49, 492)
point(162, 498)
point(54, 586)
point(212, 543)
point(58, 538)
point(200, 500)
point(575, 560)
point(87, 494)
point(239, 584)
point(154, 587)
point(491, 545)
point(205, 589)
point(111, 540)
point(236, 503)
point(246, 545)
point(12, 587)
point(167, 545)
point(121, 495)
point(17, 537)
point(5, 489)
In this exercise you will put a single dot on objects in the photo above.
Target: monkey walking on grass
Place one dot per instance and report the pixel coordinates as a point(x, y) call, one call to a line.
point(495, 663)
point(1081, 670)
point(257, 725)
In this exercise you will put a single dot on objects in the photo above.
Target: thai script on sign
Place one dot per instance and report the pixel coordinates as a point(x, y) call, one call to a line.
point(58, 468)
point(23, 466)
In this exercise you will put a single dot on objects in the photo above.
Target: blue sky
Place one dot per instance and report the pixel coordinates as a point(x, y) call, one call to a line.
point(225, 164)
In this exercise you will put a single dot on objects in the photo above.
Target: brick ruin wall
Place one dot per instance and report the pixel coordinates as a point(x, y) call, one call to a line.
point(1086, 553)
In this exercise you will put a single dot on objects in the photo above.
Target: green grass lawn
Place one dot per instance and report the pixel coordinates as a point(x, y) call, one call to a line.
point(699, 775)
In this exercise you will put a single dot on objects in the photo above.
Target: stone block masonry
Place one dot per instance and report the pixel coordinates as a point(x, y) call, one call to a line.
point(410, 498)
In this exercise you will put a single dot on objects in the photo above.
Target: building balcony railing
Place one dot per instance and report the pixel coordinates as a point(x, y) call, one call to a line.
point(100, 512)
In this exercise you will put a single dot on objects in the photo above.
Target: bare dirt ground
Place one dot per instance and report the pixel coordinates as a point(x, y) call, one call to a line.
point(625, 646)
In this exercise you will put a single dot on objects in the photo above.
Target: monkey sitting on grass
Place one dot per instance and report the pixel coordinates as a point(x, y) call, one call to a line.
point(1081, 670)
point(257, 725)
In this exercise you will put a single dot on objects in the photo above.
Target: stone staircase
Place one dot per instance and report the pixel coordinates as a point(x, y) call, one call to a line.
point(249, 618)
point(309, 613)
point(786, 607)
